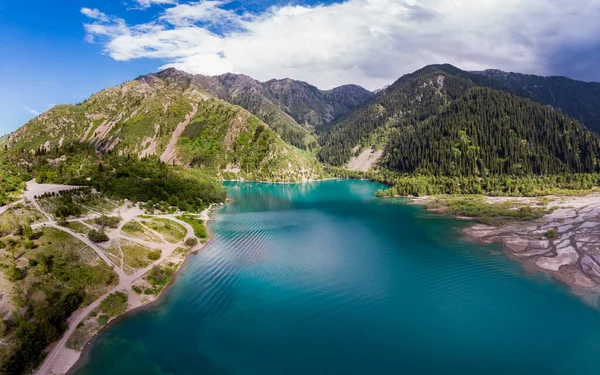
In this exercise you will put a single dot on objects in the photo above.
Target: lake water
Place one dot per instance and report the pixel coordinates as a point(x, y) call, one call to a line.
point(323, 278)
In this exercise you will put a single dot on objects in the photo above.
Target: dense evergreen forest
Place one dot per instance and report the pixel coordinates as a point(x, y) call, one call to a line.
point(406, 102)
point(443, 133)
point(491, 132)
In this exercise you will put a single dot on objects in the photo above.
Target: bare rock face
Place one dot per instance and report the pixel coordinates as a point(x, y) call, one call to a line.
point(299, 100)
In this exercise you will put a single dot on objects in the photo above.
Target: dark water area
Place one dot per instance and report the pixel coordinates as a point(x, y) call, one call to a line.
point(323, 278)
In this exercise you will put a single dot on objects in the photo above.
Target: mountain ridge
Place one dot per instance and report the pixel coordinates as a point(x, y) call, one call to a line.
point(175, 120)
point(194, 120)
point(397, 118)
point(293, 108)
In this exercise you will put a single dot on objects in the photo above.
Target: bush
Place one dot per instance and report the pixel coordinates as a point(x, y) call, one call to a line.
point(551, 233)
point(102, 319)
point(97, 235)
point(114, 304)
point(133, 226)
point(13, 273)
point(136, 289)
point(108, 221)
point(191, 241)
point(62, 221)
point(154, 255)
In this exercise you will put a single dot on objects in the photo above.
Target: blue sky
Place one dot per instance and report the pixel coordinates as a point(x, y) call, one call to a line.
point(54, 52)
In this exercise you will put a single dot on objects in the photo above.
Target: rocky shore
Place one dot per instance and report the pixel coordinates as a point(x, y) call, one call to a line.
point(564, 243)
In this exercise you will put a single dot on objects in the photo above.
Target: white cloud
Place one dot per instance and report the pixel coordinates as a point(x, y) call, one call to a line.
point(368, 42)
point(31, 110)
point(143, 4)
point(94, 14)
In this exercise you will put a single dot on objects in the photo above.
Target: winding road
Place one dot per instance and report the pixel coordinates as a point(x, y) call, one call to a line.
point(60, 358)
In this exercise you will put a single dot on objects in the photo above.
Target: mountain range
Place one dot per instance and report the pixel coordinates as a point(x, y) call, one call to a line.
point(438, 120)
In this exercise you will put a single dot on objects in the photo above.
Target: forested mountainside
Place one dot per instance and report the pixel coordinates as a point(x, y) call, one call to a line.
point(490, 132)
point(175, 120)
point(292, 108)
point(580, 100)
point(439, 121)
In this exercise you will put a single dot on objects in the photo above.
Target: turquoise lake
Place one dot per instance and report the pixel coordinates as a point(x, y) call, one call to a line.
point(324, 278)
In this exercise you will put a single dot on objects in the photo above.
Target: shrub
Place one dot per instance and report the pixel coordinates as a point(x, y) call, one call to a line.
point(114, 304)
point(133, 226)
point(102, 319)
point(136, 289)
point(13, 273)
point(97, 235)
point(551, 233)
point(108, 221)
point(154, 254)
point(191, 241)
point(62, 221)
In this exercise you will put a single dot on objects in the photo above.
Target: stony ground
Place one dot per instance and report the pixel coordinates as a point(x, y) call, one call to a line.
point(564, 243)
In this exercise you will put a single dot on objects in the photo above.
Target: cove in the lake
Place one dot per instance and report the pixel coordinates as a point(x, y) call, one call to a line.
point(324, 278)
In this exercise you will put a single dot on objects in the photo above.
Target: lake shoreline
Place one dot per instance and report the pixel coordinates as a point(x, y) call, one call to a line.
point(84, 354)
point(561, 244)
point(70, 359)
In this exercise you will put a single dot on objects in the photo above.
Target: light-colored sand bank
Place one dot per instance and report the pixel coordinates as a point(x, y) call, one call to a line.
point(564, 243)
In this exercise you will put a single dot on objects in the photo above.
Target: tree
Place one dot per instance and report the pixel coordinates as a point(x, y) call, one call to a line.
point(97, 235)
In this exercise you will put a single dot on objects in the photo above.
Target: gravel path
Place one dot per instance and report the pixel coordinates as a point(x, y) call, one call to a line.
point(60, 358)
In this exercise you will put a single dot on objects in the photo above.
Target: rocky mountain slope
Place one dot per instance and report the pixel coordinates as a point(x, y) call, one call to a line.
point(292, 108)
point(173, 118)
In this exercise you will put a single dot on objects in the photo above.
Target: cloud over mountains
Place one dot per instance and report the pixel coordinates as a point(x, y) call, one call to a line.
point(368, 42)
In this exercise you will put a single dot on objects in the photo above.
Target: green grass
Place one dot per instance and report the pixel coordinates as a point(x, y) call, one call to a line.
point(114, 304)
point(476, 207)
point(159, 277)
point(136, 229)
point(16, 216)
point(78, 227)
point(134, 255)
point(198, 225)
point(169, 229)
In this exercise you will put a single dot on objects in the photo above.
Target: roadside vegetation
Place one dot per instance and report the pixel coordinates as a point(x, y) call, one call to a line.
point(197, 224)
point(158, 185)
point(52, 274)
point(173, 232)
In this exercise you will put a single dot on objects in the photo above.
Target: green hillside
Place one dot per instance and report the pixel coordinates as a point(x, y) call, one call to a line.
point(487, 132)
point(437, 121)
point(174, 120)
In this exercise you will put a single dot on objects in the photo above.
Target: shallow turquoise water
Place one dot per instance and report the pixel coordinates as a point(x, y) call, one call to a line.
point(323, 278)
